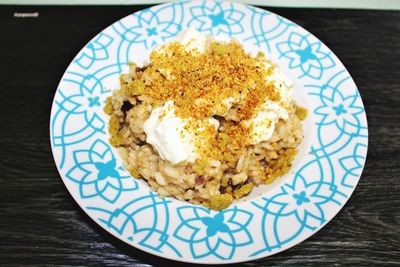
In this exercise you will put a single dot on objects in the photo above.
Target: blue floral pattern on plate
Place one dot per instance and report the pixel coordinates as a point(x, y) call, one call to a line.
point(218, 234)
point(97, 173)
point(309, 56)
point(324, 175)
point(216, 18)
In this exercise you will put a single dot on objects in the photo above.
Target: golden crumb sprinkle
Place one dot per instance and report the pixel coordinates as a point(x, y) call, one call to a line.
point(198, 83)
point(301, 113)
point(203, 85)
point(116, 139)
point(243, 191)
point(220, 202)
point(135, 173)
point(113, 125)
point(108, 108)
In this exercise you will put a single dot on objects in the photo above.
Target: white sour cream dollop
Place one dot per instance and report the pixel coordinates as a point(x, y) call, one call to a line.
point(167, 134)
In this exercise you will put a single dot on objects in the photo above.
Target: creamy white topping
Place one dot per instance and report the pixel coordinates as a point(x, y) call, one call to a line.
point(167, 134)
point(163, 131)
point(283, 84)
point(271, 112)
point(264, 122)
point(193, 39)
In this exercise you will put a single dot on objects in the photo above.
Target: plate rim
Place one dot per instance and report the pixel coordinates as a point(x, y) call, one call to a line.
point(206, 260)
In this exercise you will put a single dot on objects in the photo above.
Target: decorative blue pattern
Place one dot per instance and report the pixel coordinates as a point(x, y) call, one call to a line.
point(353, 164)
point(323, 178)
point(216, 18)
point(97, 173)
point(74, 103)
point(340, 109)
point(95, 50)
point(213, 233)
point(266, 27)
point(128, 222)
point(151, 29)
point(308, 55)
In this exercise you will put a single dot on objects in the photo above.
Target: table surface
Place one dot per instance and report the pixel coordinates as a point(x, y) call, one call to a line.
point(41, 224)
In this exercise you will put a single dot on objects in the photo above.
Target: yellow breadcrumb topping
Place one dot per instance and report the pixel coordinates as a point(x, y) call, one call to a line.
point(301, 113)
point(220, 202)
point(200, 83)
point(243, 191)
point(116, 138)
point(108, 108)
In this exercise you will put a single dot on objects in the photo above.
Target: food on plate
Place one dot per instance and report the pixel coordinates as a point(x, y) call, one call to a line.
point(204, 121)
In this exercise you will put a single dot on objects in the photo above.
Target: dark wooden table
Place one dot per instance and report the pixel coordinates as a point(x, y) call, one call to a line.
point(41, 224)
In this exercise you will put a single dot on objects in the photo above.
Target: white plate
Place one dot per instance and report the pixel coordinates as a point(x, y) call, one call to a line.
point(274, 217)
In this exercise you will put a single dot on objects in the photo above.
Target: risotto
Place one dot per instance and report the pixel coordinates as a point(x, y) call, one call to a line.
point(204, 121)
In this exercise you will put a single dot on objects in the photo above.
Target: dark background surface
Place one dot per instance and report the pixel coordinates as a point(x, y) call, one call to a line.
point(41, 224)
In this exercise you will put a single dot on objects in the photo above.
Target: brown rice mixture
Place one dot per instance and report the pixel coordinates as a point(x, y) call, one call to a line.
point(228, 166)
